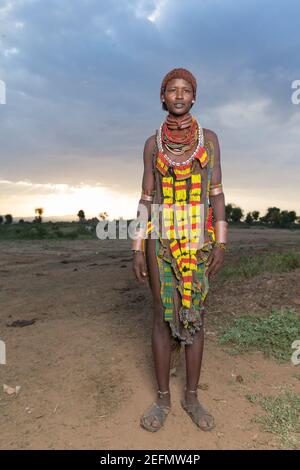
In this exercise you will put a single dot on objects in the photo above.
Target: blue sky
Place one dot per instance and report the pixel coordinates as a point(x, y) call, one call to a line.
point(82, 84)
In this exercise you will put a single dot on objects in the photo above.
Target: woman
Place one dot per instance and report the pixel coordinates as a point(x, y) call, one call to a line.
point(182, 249)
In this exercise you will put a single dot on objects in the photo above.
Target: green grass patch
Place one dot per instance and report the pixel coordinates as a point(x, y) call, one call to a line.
point(282, 416)
point(272, 334)
point(250, 266)
point(47, 230)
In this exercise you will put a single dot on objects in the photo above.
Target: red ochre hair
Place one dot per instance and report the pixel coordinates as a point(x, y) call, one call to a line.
point(179, 73)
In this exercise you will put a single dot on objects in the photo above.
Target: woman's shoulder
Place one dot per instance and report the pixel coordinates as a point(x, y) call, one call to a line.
point(209, 135)
point(150, 148)
point(150, 141)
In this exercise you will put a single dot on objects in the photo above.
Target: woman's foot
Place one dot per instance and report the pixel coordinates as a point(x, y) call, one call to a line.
point(199, 415)
point(155, 416)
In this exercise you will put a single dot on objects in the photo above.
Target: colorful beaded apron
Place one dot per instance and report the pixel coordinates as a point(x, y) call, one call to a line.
point(181, 263)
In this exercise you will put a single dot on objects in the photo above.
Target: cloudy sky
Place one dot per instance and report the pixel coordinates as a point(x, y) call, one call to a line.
point(82, 80)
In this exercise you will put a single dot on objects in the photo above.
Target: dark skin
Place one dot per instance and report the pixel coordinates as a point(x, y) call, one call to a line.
point(145, 268)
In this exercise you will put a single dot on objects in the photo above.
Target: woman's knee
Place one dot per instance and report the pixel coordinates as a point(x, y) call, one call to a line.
point(158, 309)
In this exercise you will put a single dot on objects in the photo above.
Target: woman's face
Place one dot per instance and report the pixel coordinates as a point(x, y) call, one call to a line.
point(178, 96)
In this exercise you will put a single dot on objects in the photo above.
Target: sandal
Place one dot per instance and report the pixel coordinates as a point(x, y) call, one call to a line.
point(197, 412)
point(159, 412)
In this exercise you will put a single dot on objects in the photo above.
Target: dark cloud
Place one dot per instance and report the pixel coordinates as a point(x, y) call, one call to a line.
point(83, 88)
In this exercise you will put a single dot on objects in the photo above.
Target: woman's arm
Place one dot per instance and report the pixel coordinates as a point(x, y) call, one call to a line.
point(144, 208)
point(217, 201)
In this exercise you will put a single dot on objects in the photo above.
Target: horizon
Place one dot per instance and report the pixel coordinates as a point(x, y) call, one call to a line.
point(88, 216)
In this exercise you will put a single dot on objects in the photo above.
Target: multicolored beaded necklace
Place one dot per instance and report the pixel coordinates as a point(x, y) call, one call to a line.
point(179, 136)
point(181, 170)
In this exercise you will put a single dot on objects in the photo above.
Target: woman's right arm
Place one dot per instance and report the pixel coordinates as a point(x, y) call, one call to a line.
point(144, 207)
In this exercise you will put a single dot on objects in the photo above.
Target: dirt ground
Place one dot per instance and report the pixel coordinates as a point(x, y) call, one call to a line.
point(85, 364)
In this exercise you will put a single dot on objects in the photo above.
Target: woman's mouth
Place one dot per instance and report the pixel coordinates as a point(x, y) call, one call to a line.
point(179, 105)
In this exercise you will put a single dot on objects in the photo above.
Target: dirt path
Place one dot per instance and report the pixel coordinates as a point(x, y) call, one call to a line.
point(85, 365)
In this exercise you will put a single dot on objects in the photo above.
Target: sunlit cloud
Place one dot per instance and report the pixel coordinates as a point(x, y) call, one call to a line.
point(20, 198)
point(159, 5)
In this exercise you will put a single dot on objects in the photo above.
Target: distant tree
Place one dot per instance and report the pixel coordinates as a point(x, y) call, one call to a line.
point(38, 218)
point(103, 215)
point(228, 211)
point(8, 219)
point(293, 216)
point(236, 214)
point(272, 216)
point(21, 221)
point(249, 219)
point(1, 219)
point(287, 218)
point(255, 215)
point(81, 216)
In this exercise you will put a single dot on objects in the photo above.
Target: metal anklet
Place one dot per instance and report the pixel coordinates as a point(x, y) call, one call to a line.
point(190, 391)
point(162, 393)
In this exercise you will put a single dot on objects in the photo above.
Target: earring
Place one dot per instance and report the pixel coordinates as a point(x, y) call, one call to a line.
point(193, 101)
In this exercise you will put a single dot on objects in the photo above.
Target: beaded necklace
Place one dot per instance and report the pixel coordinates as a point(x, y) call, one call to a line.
point(179, 136)
point(179, 164)
point(181, 170)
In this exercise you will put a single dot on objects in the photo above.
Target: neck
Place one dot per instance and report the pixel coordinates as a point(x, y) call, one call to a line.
point(180, 117)
point(181, 122)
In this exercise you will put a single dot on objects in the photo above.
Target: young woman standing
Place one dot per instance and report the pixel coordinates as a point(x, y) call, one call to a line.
point(184, 241)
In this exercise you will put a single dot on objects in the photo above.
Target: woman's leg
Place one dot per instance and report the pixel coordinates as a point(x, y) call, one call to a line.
point(161, 332)
point(193, 356)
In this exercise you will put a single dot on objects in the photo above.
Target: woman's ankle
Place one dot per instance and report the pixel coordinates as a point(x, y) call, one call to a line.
point(162, 394)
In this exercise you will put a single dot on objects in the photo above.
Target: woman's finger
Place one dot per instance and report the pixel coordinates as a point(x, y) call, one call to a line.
point(209, 259)
point(210, 270)
point(138, 275)
point(217, 266)
point(143, 272)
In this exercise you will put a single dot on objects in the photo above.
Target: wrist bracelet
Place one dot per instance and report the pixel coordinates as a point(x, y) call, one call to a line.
point(221, 231)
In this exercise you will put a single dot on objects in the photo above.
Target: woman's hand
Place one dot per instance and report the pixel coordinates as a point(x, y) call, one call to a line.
point(139, 266)
point(215, 260)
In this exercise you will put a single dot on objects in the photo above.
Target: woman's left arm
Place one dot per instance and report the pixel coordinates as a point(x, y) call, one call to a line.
point(217, 201)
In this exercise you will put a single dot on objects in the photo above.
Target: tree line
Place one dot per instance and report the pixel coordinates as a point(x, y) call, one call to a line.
point(274, 217)
point(8, 218)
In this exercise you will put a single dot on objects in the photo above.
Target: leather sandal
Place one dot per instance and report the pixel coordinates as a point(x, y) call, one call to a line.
point(159, 412)
point(198, 413)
